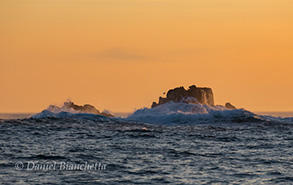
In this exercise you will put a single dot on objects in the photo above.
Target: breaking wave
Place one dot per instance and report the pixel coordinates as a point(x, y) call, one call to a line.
point(69, 109)
point(66, 114)
point(192, 113)
point(173, 113)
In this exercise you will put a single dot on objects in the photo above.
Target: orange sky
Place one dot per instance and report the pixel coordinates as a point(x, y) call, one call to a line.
point(123, 54)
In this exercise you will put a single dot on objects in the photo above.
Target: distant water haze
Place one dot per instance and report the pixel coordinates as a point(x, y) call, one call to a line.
point(15, 115)
point(277, 114)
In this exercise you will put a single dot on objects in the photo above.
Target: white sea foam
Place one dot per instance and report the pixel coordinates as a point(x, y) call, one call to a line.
point(55, 111)
point(63, 112)
point(172, 112)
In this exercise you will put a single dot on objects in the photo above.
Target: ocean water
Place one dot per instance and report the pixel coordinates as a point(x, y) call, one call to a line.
point(217, 147)
point(15, 115)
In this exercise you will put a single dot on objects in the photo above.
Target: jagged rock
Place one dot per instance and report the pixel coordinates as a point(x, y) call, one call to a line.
point(204, 95)
point(195, 94)
point(87, 108)
point(154, 104)
point(230, 106)
point(107, 114)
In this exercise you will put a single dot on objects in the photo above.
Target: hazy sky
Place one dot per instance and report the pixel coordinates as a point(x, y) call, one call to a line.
point(123, 54)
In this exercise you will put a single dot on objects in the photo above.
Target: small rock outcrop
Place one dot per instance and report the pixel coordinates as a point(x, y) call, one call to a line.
point(230, 106)
point(202, 95)
point(86, 108)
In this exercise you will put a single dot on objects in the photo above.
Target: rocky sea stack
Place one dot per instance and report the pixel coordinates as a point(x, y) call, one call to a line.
point(197, 95)
point(86, 108)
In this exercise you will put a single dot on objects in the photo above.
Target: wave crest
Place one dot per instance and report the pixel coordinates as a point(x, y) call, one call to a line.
point(69, 109)
point(181, 112)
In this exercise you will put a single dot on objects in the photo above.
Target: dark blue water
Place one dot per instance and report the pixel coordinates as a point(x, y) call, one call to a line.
point(137, 153)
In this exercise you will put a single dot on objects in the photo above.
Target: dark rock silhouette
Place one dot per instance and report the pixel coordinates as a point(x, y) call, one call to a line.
point(202, 95)
point(230, 106)
point(87, 108)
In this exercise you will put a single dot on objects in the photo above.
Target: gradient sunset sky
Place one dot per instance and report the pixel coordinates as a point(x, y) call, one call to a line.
point(123, 54)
